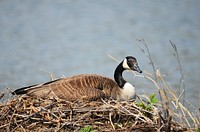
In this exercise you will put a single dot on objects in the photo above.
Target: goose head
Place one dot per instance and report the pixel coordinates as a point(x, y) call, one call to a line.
point(130, 63)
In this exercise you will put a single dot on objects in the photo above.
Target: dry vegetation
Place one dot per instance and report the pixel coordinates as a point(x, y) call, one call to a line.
point(24, 113)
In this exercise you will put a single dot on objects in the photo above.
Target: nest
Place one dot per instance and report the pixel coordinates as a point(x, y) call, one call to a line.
point(25, 113)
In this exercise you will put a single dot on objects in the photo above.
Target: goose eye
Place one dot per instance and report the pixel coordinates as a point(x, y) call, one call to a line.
point(131, 63)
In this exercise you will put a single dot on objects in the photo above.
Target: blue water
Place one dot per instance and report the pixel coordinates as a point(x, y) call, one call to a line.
point(68, 37)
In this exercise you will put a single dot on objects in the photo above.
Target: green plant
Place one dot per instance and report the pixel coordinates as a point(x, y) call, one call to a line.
point(198, 129)
point(87, 128)
point(148, 105)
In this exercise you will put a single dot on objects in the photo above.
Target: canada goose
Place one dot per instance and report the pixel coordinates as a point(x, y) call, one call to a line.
point(87, 86)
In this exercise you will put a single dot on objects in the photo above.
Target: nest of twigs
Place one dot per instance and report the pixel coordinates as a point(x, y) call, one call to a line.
point(25, 113)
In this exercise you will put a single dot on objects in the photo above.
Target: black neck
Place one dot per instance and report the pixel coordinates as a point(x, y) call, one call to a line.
point(118, 75)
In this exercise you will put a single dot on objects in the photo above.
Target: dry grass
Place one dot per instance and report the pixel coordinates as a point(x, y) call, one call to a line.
point(172, 107)
point(25, 113)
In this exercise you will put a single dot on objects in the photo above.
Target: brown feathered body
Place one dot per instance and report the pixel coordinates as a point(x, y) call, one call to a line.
point(88, 86)
point(84, 86)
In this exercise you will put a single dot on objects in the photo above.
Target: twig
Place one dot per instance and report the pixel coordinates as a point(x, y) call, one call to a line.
point(168, 128)
point(180, 67)
point(110, 118)
point(113, 58)
point(148, 55)
point(53, 76)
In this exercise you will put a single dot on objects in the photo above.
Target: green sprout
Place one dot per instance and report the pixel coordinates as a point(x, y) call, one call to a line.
point(87, 128)
point(149, 104)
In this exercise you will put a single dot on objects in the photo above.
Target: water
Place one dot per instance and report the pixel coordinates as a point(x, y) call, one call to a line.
point(73, 37)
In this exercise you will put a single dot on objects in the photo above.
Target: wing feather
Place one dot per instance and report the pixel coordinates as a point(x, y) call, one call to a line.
point(85, 86)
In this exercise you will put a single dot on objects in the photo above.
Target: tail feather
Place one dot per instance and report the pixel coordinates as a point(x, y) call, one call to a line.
point(23, 90)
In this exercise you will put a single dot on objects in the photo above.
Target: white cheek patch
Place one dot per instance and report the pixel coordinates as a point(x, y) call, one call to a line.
point(125, 65)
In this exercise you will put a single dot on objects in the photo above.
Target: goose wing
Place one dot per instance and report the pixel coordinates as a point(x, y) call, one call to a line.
point(85, 86)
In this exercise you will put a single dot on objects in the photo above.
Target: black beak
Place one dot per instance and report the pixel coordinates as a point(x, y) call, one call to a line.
point(136, 68)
